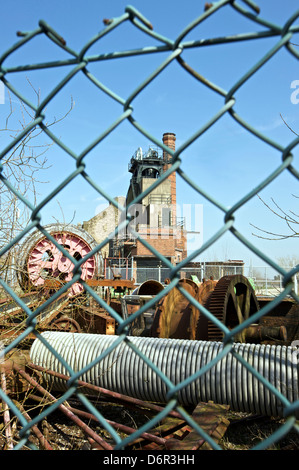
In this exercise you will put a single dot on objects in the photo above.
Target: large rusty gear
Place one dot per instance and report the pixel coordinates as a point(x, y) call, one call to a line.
point(232, 301)
point(175, 316)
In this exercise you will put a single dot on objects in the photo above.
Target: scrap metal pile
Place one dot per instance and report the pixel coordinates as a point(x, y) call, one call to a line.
point(231, 300)
point(24, 383)
point(43, 269)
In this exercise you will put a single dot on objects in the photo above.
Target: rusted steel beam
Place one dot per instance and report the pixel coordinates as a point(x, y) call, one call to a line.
point(54, 284)
point(47, 315)
point(45, 444)
point(120, 427)
point(10, 310)
point(178, 434)
point(6, 414)
point(27, 298)
point(108, 393)
point(12, 313)
point(111, 283)
point(65, 410)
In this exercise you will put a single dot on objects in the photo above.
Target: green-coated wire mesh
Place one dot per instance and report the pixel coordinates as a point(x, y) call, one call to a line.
point(78, 63)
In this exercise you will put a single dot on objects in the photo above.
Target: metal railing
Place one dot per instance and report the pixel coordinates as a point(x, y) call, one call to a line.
point(78, 63)
point(264, 284)
point(159, 199)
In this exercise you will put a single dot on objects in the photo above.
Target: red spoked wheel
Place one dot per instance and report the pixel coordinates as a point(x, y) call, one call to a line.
point(44, 260)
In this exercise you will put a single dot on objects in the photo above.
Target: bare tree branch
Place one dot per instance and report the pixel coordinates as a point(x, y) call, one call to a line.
point(288, 126)
point(290, 221)
point(21, 168)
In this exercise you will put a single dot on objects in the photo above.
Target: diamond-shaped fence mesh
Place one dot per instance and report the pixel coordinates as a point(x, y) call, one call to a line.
point(78, 63)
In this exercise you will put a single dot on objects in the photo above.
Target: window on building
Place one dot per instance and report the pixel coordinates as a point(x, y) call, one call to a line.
point(166, 217)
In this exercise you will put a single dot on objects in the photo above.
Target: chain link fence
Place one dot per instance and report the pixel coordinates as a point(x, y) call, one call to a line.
point(263, 281)
point(78, 63)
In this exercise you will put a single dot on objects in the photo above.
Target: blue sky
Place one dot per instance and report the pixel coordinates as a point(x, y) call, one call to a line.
point(226, 161)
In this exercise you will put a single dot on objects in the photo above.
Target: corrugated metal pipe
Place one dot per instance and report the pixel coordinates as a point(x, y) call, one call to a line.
point(123, 371)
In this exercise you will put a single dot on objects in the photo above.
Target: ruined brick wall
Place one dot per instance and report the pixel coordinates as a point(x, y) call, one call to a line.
point(104, 223)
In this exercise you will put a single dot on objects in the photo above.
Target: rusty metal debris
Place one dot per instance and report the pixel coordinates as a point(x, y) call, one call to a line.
point(173, 432)
point(76, 313)
point(231, 300)
point(43, 269)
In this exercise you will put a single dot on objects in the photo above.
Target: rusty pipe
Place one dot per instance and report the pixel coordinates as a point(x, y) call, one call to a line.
point(149, 287)
point(256, 333)
point(42, 439)
point(95, 390)
point(64, 409)
point(118, 426)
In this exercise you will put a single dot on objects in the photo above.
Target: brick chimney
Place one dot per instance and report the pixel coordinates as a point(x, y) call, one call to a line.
point(169, 139)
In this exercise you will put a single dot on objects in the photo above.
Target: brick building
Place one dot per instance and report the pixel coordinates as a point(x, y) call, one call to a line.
point(154, 216)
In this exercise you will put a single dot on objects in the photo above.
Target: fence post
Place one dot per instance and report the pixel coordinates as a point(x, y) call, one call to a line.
point(295, 282)
point(159, 271)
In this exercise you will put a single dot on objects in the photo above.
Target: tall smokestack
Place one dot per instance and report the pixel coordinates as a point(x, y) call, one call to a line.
point(169, 139)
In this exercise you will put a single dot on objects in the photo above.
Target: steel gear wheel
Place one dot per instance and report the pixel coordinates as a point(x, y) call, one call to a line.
point(232, 301)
